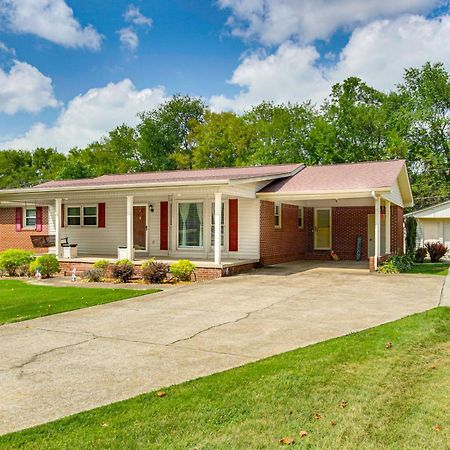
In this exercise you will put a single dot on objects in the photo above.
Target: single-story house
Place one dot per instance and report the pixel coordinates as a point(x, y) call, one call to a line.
point(225, 220)
point(433, 224)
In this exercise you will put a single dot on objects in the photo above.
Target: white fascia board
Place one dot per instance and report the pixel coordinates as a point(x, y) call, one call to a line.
point(319, 195)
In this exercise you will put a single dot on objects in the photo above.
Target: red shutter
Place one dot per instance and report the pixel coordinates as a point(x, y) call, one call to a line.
point(19, 219)
point(164, 226)
point(101, 215)
point(62, 216)
point(38, 219)
point(233, 232)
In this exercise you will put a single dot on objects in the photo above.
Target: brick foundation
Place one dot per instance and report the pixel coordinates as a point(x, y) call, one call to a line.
point(10, 238)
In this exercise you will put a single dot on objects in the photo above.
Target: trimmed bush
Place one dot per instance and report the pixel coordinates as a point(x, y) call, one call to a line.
point(154, 271)
point(93, 275)
point(396, 264)
point(102, 264)
point(48, 265)
point(123, 270)
point(182, 270)
point(420, 255)
point(436, 250)
point(13, 259)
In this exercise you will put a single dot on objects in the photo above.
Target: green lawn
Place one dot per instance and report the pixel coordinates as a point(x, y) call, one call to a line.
point(22, 301)
point(430, 268)
point(395, 398)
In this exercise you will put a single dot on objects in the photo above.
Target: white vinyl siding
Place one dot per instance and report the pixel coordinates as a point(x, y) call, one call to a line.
point(395, 196)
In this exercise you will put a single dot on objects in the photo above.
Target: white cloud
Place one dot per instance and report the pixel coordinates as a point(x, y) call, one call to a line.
point(275, 21)
point(378, 53)
point(128, 38)
point(24, 88)
point(89, 116)
point(4, 48)
point(49, 19)
point(134, 15)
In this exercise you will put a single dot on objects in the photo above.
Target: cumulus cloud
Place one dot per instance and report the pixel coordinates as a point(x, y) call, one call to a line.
point(275, 21)
point(134, 15)
point(89, 116)
point(128, 38)
point(52, 20)
point(4, 48)
point(24, 88)
point(378, 53)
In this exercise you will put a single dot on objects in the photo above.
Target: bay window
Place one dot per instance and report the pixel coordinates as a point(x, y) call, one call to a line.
point(190, 225)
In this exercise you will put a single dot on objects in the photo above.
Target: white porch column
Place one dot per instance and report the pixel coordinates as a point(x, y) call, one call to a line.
point(130, 201)
point(217, 227)
point(387, 206)
point(58, 205)
point(377, 230)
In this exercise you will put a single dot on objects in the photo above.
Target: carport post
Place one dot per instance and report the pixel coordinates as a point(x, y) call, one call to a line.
point(130, 201)
point(377, 230)
point(217, 227)
point(58, 205)
point(387, 206)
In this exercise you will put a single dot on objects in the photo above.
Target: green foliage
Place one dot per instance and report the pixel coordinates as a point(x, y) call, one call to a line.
point(397, 264)
point(420, 254)
point(123, 270)
point(47, 264)
point(411, 235)
point(436, 250)
point(102, 264)
point(182, 270)
point(93, 275)
point(154, 271)
point(14, 259)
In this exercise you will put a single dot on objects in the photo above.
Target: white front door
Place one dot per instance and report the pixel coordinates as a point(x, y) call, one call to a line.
point(322, 228)
point(371, 235)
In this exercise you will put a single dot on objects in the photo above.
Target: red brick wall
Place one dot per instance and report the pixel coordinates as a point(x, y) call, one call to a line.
point(10, 238)
point(287, 243)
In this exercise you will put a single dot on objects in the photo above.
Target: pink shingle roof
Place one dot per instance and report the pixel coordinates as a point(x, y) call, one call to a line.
point(340, 177)
point(175, 176)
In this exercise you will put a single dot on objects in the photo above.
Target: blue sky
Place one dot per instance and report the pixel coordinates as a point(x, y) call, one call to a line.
point(70, 70)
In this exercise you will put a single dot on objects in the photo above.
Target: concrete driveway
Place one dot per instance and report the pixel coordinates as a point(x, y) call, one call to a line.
point(55, 366)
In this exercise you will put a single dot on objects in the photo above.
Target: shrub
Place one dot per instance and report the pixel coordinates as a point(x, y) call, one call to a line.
point(154, 271)
point(93, 275)
point(396, 264)
point(123, 270)
point(11, 260)
point(102, 264)
point(411, 234)
point(48, 265)
point(388, 267)
point(436, 250)
point(182, 270)
point(420, 254)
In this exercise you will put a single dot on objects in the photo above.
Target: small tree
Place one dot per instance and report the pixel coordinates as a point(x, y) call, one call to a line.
point(411, 235)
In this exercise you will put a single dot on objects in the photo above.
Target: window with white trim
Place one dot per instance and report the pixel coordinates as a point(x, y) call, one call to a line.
point(190, 225)
point(73, 216)
point(300, 217)
point(30, 217)
point(222, 224)
point(89, 215)
point(277, 215)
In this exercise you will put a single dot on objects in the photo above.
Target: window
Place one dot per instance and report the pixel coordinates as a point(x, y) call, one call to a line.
point(30, 217)
point(73, 215)
point(277, 215)
point(300, 217)
point(90, 215)
point(222, 224)
point(190, 225)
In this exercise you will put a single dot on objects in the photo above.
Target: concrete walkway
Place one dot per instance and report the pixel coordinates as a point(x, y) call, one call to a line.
point(58, 365)
point(445, 294)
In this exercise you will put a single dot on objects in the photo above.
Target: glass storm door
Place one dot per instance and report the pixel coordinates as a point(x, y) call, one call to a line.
point(322, 229)
point(140, 228)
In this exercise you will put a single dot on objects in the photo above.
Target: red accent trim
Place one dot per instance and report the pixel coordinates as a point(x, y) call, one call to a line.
point(38, 219)
point(62, 216)
point(101, 215)
point(233, 232)
point(19, 219)
point(164, 226)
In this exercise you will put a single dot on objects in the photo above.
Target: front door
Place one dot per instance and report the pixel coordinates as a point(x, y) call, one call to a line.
point(371, 234)
point(140, 228)
point(322, 229)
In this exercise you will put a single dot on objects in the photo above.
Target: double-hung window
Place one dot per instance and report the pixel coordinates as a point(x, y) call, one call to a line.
point(30, 217)
point(277, 215)
point(300, 216)
point(222, 224)
point(73, 216)
point(89, 215)
point(190, 225)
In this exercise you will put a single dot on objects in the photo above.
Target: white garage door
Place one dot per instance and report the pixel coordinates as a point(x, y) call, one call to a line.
point(447, 233)
point(431, 231)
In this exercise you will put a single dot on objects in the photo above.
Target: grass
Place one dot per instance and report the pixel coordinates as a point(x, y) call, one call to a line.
point(430, 268)
point(397, 398)
point(22, 301)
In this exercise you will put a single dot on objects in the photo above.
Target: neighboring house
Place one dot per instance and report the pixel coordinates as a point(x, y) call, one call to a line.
point(433, 224)
point(226, 219)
